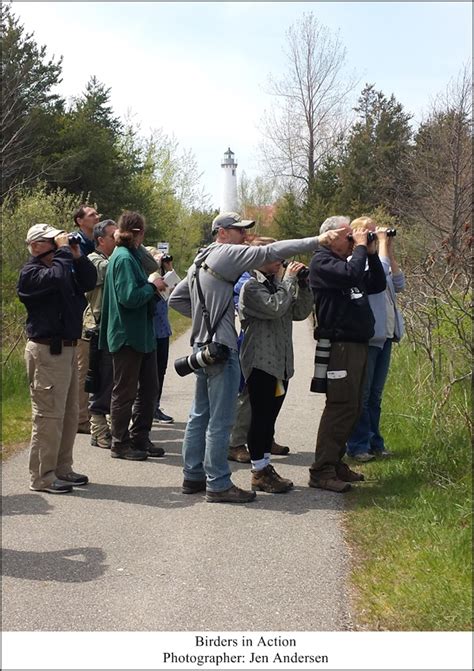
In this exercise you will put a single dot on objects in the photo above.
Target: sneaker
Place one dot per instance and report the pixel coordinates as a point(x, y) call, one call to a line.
point(362, 457)
point(239, 453)
point(381, 454)
point(331, 484)
point(75, 479)
point(193, 486)
point(268, 480)
point(129, 453)
point(279, 449)
point(162, 418)
point(231, 495)
point(346, 474)
point(56, 487)
point(84, 427)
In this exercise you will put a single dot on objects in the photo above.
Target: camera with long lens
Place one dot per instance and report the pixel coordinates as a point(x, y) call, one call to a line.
point(214, 352)
point(321, 360)
point(371, 235)
point(74, 238)
point(92, 380)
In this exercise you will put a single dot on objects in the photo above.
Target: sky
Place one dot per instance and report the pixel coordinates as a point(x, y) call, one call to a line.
point(199, 70)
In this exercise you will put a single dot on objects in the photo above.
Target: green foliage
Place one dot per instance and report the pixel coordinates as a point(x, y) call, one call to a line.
point(412, 519)
point(374, 171)
point(27, 79)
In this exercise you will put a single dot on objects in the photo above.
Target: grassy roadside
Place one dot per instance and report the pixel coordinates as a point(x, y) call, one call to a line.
point(16, 407)
point(410, 524)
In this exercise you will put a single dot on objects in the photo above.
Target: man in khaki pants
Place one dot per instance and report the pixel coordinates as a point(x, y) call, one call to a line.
point(52, 284)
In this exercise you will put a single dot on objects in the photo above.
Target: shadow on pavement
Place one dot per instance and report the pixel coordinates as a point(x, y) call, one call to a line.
point(69, 565)
point(25, 504)
point(156, 497)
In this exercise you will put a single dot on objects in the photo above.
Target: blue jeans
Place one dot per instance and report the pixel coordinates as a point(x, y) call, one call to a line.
point(212, 416)
point(366, 435)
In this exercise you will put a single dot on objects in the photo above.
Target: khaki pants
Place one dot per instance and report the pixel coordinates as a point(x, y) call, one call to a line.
point(82, 367)
point(53, 384)
point(343, 406)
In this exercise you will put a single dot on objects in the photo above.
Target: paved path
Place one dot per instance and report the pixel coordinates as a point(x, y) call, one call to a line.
point(130, 552)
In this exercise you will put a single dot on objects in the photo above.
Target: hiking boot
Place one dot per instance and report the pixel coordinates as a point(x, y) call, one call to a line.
point(268, 480)
point(239, 453)
point(56, 487)
point(193, 486)
point(84, 427)
point(100, 432)
point(161, 417)
point(104, 441)
point(231, 495)
point(128, 453)
point(279, 449)
point(346, 474)
point(362, 457)
point(150, 448)
point(331, 484)
point(75, 479)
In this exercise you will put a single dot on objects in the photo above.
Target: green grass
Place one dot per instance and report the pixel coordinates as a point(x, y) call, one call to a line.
point(410, 523)
point(16, 408)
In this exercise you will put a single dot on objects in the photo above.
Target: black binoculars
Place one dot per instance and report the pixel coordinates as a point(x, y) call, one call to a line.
point(166, 258)
point(371, 235)
point(74, 238)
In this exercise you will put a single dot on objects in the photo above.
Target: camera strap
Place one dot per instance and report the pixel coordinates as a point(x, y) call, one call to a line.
point(205, 312)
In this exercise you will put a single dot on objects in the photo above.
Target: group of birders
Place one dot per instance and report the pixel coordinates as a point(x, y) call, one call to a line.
point(98, 333)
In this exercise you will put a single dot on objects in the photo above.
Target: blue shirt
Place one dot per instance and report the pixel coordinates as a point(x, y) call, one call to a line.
point(161, 324)
point(87, 246)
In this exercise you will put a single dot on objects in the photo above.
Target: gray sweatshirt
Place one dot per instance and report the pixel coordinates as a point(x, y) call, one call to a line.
point(228, 262)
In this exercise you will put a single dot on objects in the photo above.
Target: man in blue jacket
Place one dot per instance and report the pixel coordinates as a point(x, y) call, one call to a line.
point(344, 317)
point(51, 285)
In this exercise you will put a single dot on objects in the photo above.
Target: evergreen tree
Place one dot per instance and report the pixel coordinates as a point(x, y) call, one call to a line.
point(28, 104)
point(375, 171)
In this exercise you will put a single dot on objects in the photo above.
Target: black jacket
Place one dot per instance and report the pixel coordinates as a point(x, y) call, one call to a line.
point(54, 295)
point(340, 291)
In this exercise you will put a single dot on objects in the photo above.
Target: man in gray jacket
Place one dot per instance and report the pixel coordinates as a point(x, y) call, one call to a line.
point(213, 411)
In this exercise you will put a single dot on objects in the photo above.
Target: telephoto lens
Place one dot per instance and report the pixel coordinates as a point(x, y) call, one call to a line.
point(214, 352)
point(321, 360)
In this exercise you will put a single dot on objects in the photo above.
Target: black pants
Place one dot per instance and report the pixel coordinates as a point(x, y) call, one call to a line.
point(133, 397)
point(265, 408)
point(162, 352)
point(99, 403)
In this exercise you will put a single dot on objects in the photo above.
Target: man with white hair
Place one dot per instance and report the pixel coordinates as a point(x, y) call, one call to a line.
point(206, 295)
point(52, 285)
point(345, 324)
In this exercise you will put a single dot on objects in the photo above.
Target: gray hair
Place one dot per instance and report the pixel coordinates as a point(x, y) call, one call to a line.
point(333, 223)
point(100, 229)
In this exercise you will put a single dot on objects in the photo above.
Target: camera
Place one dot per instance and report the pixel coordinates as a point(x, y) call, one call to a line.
point(92, 380)
point(74, 238)
point(321, 360)
point(166, 258)
point(214, 352)
point(371, 235)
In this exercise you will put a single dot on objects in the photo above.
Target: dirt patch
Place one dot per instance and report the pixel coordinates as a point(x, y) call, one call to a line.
point(8, 451)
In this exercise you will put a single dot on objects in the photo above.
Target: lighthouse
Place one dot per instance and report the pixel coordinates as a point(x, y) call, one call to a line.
point(229, 182)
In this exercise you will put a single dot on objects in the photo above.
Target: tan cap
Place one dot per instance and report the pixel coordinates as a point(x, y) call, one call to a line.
point(41, 232)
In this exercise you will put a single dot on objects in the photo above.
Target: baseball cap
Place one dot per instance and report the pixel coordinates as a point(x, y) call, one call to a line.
point(41, 232)
point(231, 220)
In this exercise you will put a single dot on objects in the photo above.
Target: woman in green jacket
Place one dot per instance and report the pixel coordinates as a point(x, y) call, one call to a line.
point(126, 328)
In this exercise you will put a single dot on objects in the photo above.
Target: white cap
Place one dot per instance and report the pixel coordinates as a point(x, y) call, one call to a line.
point(41, 232)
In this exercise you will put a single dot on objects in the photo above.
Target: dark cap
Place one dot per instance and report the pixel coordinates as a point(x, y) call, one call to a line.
point(231, 220)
